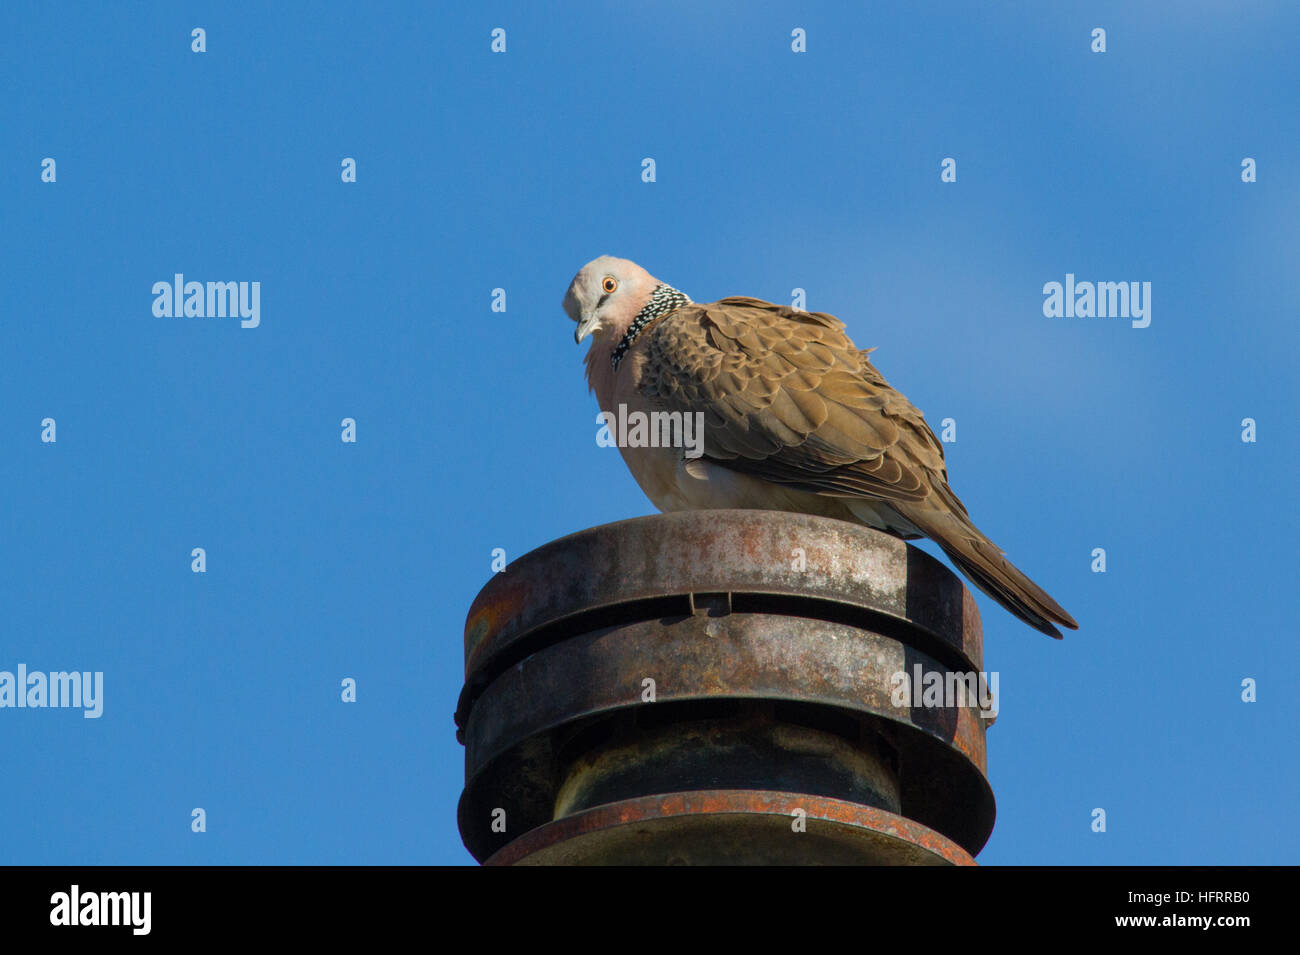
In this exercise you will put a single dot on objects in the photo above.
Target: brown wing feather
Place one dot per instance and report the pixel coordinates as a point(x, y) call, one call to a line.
point(788, 398)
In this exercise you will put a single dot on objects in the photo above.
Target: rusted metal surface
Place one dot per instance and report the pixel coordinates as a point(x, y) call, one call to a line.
point(770, 641)
point(726, 551)
point(748, 748)
point(741, 656)
point(732, 827)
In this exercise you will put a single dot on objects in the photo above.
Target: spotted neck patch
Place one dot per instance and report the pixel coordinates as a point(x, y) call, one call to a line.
point(663, 300)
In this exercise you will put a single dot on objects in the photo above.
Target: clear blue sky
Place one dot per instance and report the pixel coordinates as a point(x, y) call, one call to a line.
point(775, 170)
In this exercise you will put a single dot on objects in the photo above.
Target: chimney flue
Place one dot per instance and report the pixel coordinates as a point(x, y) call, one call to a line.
point(724, 687)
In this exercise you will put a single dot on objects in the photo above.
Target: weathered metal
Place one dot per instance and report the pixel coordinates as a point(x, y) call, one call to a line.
point(769, 644)
point(731, 827)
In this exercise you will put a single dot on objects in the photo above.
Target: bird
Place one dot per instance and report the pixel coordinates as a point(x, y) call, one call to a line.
point(795, 418)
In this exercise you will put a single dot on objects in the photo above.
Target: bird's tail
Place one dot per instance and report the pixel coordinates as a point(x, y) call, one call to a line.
point(985, 566)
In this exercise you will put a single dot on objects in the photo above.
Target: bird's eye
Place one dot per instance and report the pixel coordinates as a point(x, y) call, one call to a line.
point(609, 285)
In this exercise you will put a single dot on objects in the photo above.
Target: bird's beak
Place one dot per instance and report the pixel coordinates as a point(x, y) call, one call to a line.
point(586, 320)
point(586, 326)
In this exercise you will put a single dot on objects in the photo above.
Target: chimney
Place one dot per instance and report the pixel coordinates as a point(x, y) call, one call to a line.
point(724, 687)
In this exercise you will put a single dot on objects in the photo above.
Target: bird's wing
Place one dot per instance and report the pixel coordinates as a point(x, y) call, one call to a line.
point(788, 398)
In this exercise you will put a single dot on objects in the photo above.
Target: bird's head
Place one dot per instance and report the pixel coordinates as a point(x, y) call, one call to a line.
point(606, 297)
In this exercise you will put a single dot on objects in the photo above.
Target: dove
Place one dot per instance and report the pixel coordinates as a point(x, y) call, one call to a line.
point(795, 418)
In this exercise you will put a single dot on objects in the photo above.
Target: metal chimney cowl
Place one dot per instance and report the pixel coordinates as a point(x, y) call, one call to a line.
point(718, 687)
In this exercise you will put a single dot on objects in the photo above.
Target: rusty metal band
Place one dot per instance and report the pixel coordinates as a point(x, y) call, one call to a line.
point(510, 750)
point(807, 559)
point(730, 826)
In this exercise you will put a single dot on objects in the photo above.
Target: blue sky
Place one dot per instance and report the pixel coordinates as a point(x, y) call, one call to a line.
point(775, 170)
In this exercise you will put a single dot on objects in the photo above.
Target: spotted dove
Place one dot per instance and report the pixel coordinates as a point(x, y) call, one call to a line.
point(796, 418)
